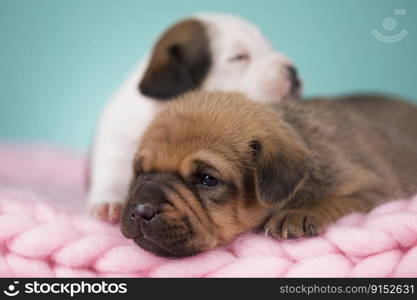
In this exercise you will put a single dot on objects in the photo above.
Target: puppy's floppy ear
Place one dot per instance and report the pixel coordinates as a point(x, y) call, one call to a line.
point(180, 61)
point(280, 172)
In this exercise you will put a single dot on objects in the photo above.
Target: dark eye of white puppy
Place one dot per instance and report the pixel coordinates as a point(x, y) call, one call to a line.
point(239, 57)
point(207, 180)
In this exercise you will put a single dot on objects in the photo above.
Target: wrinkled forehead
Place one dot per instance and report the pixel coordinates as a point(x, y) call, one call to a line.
point(187, 151)
point(188, 161)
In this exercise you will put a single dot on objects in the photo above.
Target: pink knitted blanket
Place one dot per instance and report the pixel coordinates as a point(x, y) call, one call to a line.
point(45, 233)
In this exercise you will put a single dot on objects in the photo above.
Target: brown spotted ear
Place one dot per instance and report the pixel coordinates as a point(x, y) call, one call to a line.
point(280, 173)
point(179, 62)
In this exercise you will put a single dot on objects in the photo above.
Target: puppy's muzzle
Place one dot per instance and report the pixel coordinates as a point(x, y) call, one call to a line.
point(145, 219)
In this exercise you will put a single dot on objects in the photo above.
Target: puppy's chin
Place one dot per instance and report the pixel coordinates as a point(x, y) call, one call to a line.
point(161, 250)
point(158, 247)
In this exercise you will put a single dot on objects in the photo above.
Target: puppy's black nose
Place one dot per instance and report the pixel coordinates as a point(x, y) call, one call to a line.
point(294, 80)
point(144, 212)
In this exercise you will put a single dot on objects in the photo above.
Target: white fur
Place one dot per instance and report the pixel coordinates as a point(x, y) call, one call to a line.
point(263, 77)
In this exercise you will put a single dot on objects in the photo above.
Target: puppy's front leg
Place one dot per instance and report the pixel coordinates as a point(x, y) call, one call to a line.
point(109, 185)
point(110, 167)
point(312, 219)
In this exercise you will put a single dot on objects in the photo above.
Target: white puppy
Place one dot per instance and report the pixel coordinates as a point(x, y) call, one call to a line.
point(207, 51)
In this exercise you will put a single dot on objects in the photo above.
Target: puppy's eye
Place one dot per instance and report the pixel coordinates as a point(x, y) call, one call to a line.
point(239, 57)
point(208, 180)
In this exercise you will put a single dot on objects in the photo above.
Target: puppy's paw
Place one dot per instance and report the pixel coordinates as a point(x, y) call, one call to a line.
point(109, 212)
point(294, 223)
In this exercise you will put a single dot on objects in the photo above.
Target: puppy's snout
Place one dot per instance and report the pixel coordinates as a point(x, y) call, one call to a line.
point(147, 200)
point(145, 212)
point(294, 79)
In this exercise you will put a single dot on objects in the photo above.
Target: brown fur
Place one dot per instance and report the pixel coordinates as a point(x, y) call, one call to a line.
point(180, 61)
point(290, 168)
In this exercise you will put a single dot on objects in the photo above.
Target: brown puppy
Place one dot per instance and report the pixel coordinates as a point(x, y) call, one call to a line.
point(214, 165)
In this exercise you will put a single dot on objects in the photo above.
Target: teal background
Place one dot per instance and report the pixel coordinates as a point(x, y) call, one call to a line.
point(61, 60)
